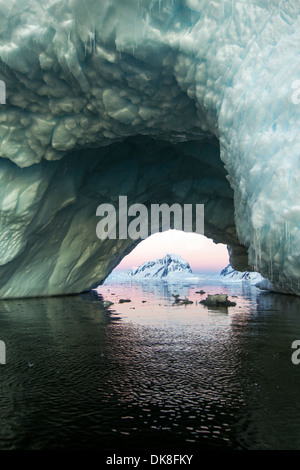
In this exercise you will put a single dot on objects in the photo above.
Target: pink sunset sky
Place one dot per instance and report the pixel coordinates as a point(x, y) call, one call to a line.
point(203, 255)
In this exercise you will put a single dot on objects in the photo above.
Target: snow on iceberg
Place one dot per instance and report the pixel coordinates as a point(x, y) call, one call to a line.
point(232, 275)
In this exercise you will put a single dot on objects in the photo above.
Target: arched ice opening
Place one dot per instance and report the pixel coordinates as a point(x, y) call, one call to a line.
point(58, 252)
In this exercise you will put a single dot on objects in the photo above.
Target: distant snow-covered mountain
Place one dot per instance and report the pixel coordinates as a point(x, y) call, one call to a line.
point(161, 268)
point(231, 274)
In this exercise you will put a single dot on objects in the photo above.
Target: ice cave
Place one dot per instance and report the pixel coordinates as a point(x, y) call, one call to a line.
point(164, 101)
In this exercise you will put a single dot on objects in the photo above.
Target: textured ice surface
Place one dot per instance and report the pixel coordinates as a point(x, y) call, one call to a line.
point(92, 74)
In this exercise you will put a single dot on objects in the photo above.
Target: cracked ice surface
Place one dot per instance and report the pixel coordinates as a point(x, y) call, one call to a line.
point(91, 74)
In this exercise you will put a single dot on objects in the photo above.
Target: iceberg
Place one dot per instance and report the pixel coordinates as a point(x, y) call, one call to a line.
point(232, 275)
point(162, 101)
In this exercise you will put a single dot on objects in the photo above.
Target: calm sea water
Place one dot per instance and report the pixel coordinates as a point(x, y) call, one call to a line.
point(148, 374)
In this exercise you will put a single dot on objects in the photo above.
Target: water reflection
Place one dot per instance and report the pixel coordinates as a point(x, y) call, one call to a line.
point(53, 350)
point(148, 374)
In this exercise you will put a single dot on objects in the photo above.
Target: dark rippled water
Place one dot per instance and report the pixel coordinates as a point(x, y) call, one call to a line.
point(150, 375)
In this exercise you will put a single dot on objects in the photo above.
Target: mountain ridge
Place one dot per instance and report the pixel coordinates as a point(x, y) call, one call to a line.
point(169, 264)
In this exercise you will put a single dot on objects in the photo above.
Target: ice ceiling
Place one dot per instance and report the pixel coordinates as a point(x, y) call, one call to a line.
point(169, 101)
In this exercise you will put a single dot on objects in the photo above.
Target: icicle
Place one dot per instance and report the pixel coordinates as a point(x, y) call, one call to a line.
point(271, 262)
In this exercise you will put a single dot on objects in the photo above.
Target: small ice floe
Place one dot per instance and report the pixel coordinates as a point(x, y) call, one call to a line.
point(106, 303)
point(179, 301)
point(216, 300)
